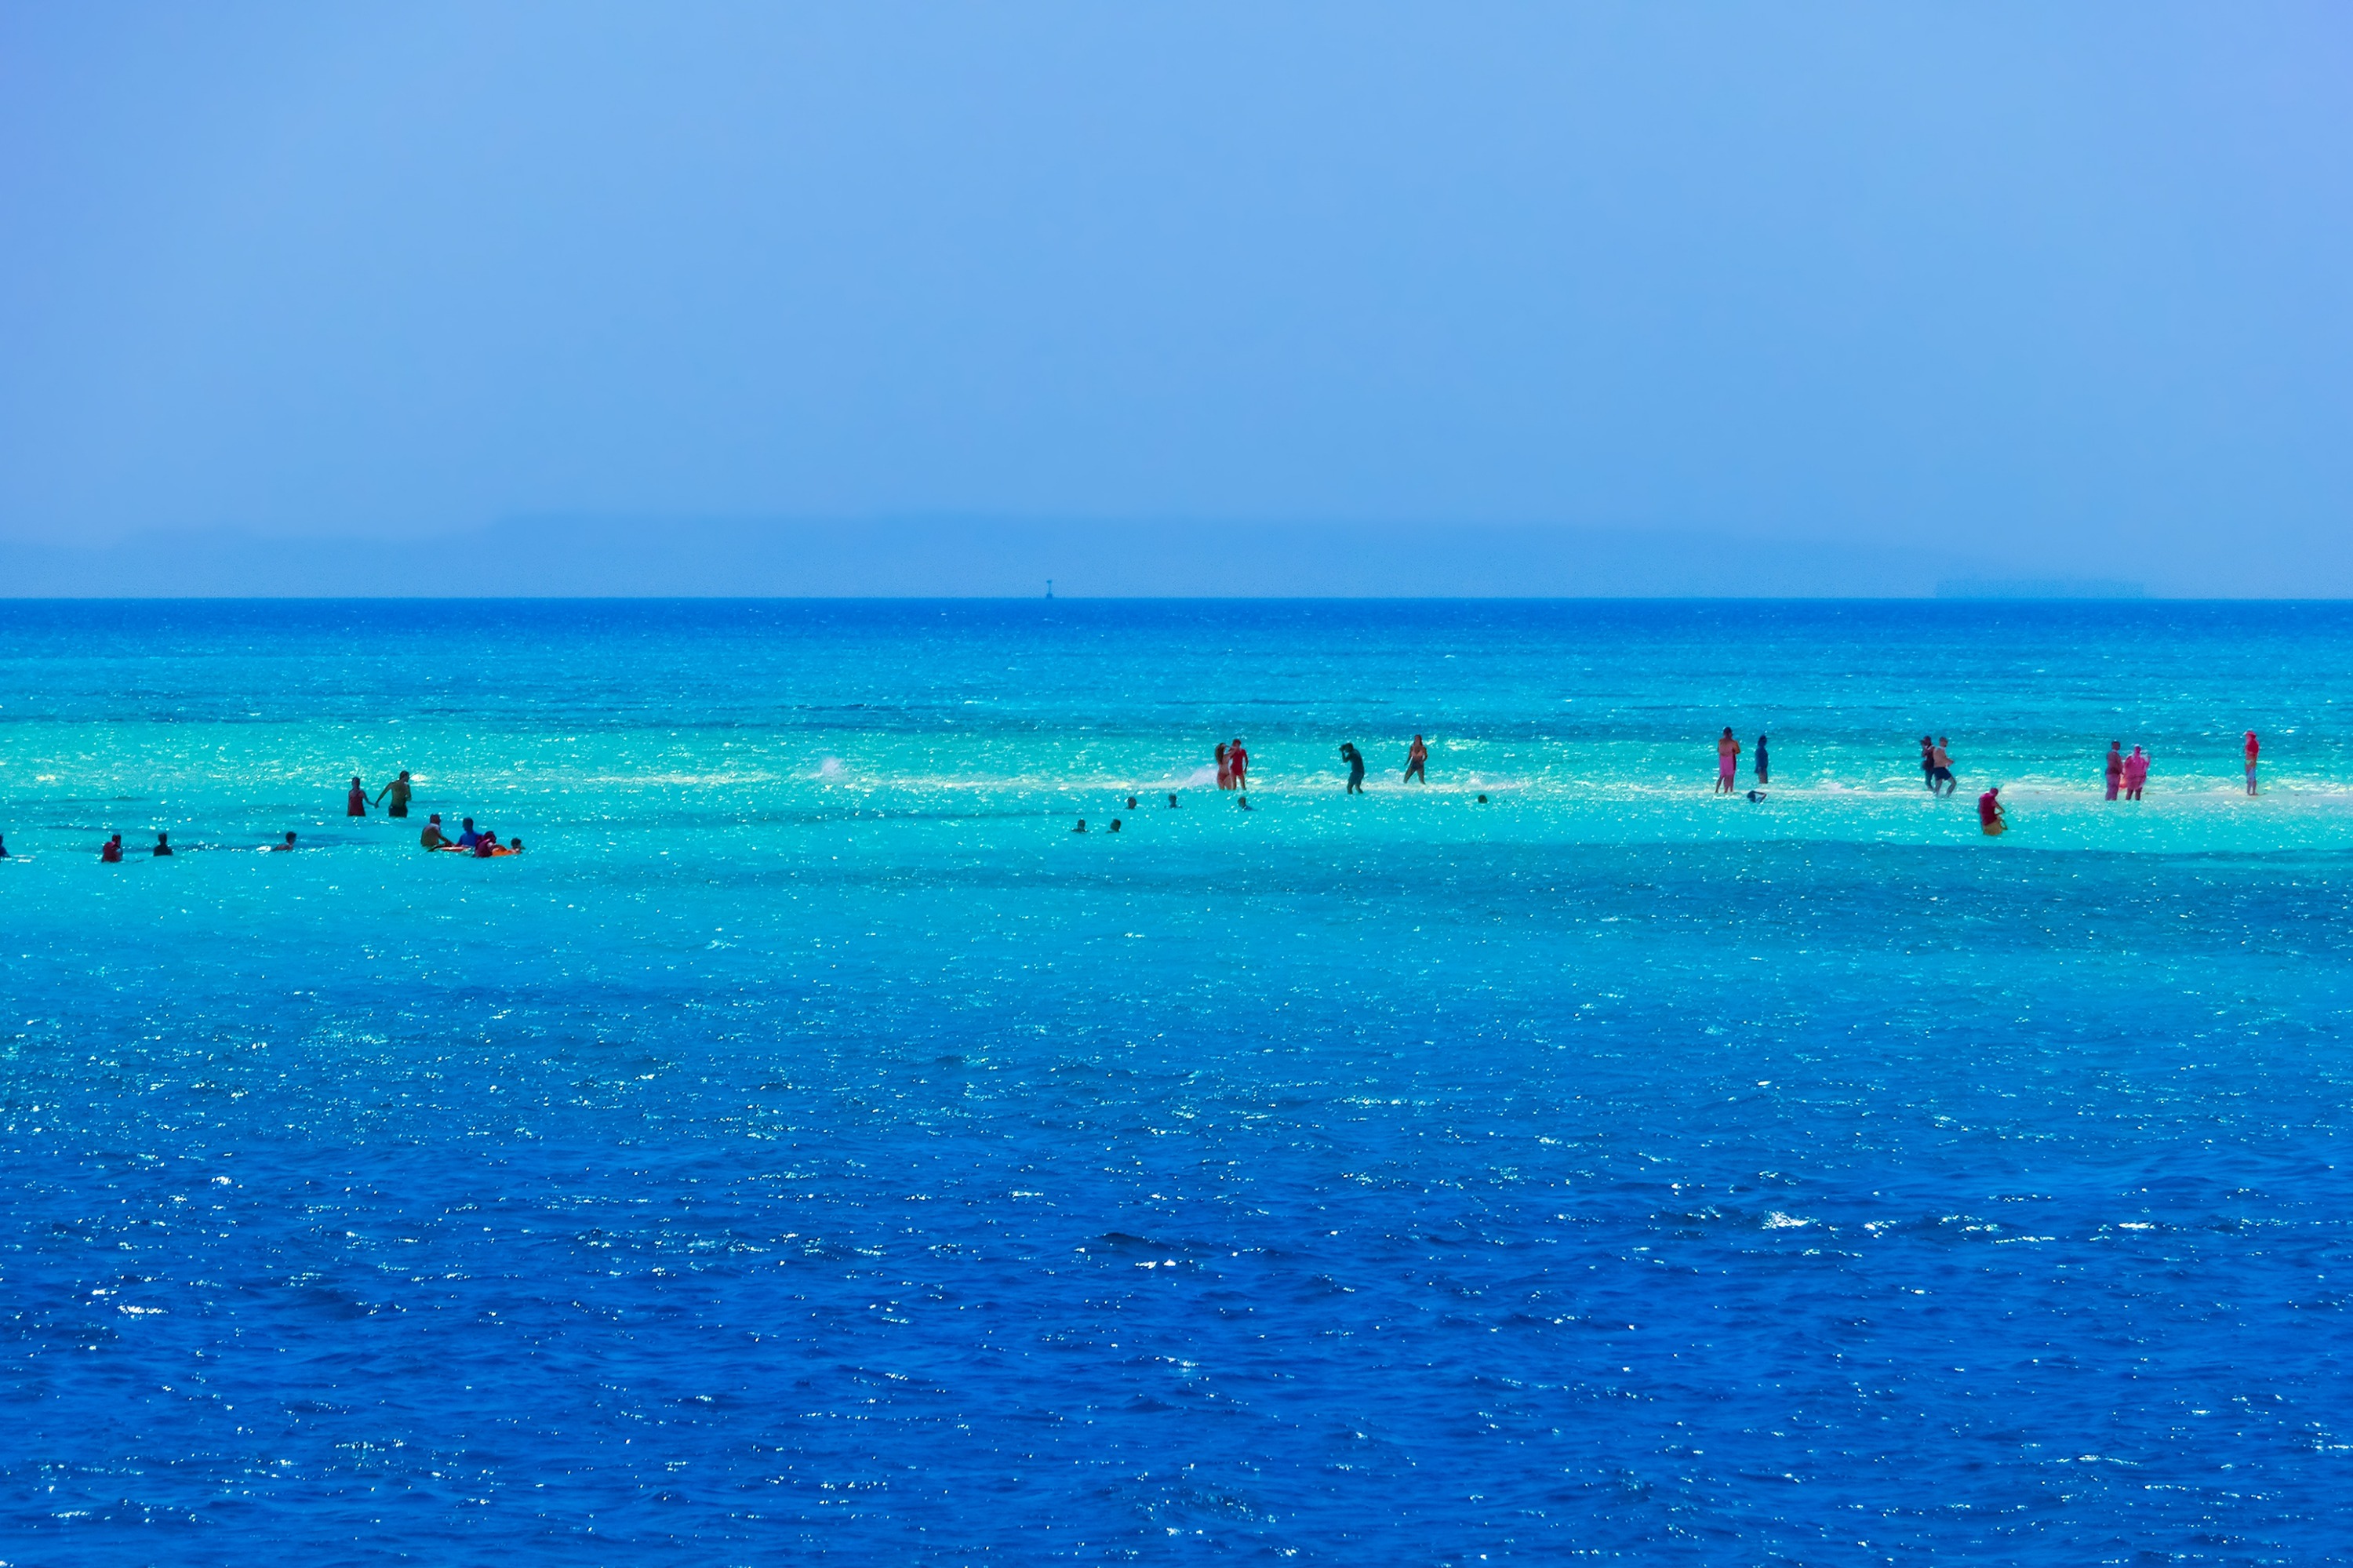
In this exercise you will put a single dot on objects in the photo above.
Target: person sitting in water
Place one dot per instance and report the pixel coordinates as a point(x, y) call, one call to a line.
point(399, 789)
point(433, 838)
point(110, 851)
point(287, 845)
point(162, 844)
point(1990, 816)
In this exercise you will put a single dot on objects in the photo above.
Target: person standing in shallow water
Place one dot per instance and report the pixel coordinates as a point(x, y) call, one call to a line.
point(1417, 760)
point(399, 789)
point(2254, 749)
point(1355, 761)
point(2115, 766)
point(2136, 773)
point(1764, 768)
point(1225, 773)
point(1727, 763)
point(1238, 761)
point(1940, 773)
point(355, 804)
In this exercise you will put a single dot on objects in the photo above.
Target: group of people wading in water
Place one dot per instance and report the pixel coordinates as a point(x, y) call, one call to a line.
point(471, 840)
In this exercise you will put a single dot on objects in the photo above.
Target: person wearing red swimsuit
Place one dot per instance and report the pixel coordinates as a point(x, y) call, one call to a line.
point(1237, 763)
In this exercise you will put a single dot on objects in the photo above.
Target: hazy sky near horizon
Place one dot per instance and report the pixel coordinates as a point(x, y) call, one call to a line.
point(2067, 285)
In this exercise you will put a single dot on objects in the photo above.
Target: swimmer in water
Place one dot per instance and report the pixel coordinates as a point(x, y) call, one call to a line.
point(1727, 762)
point(2115, 768)
point(1755, 795)
point(162, 844)
point(110, 851)
point(1131, 802)
point(1172, 802)
point(1243, 802)
point(2254, 749)
point(1355, 761)
point(287, 845)
point(399, 789)
point(4, 849)
point(1941, 769)
point(355, 804)
point(1417, 760)
point(1482, 800)
point(1114, 824)
point(1082, 827)
point(514, 846)
point(432, 838)
point(1991, 820)
point(2136, 773)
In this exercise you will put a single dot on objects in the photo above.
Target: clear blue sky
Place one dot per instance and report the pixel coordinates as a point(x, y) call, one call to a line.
point(2071, 285)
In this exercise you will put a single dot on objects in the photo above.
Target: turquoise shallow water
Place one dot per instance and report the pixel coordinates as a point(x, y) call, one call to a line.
point(809, 1144)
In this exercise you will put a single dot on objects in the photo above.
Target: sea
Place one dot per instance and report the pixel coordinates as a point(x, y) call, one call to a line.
point(811, 1147)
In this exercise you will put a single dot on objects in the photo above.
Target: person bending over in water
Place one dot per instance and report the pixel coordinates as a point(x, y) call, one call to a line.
point(1727, 762)
point(2136, 773)
point(1991, 820)
point(2254, 749)
point(1355, 761)
point(433, 838)
point(399, 789)
point(2115, 766)
point(355, 804)
point(162, 844)
point(110, 851)
point(1417, 759)
point(1940, 773)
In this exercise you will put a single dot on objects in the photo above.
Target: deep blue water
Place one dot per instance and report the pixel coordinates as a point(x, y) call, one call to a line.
point(809, 1145)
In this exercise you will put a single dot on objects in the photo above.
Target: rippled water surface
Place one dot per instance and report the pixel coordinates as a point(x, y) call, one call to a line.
point(809, 1145)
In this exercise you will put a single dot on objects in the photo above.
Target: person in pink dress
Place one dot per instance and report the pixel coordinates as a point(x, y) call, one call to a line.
point(2136, 773)
point(2115, 766)
point(2254, 749)
point(355, 804)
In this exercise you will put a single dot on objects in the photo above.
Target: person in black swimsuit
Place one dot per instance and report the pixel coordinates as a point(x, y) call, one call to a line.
point(1355, 761)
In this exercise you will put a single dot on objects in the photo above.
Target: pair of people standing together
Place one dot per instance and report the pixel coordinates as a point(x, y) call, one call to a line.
point(1727, 762)
point(1417, 759)
point(355, 804)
